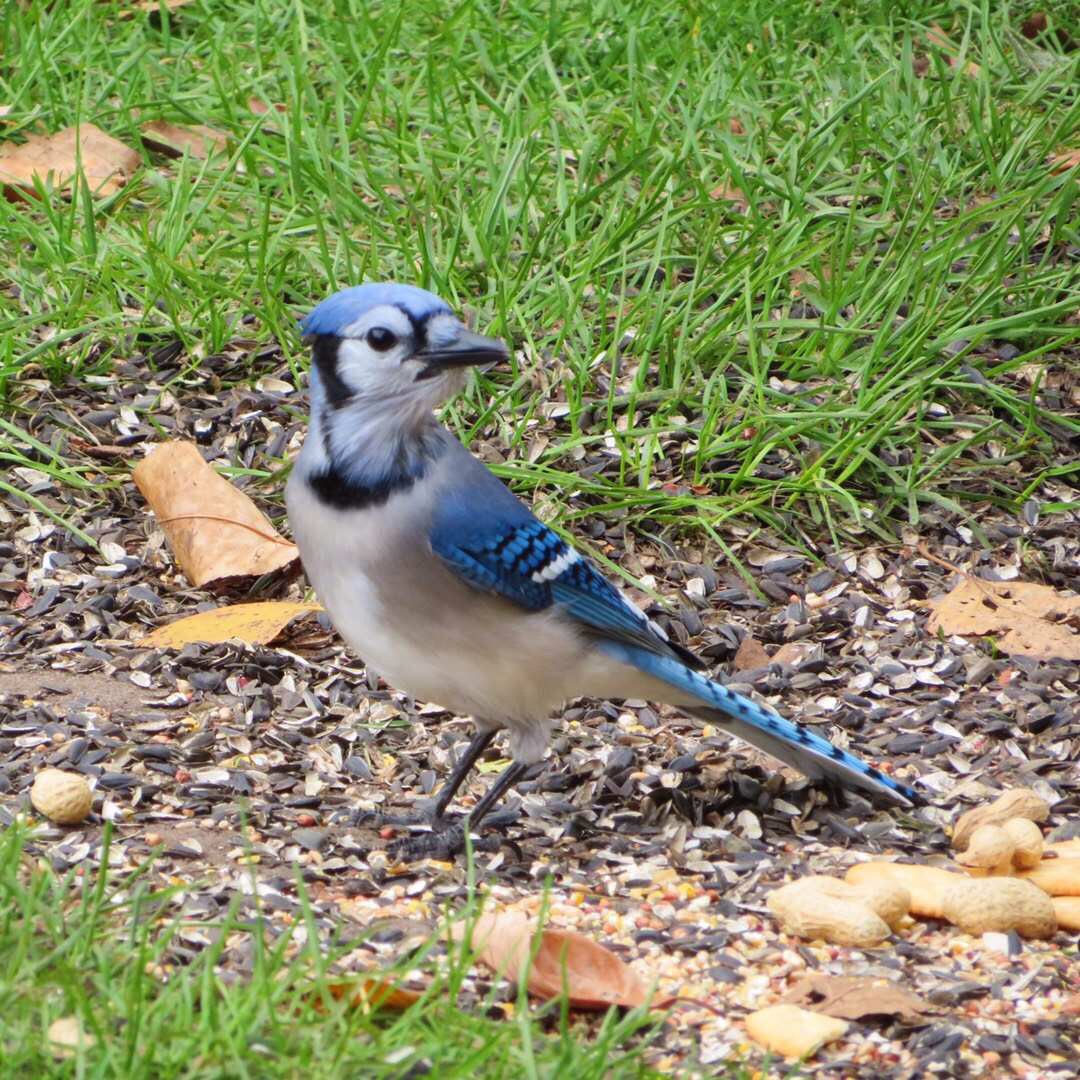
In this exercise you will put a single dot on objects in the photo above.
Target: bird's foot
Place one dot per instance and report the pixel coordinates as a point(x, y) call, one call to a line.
point(444, 837)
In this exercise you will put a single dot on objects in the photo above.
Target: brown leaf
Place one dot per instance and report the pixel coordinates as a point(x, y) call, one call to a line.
point(151, 6)
point(857, 996)
point(106, 162)
point(175, 140)
point(215, 530)
point(594, 977)
point(729, 193)
point(1033, 25)
point(751, 655)
point(373, 992)
point(257, 624)
point(1064, 160)
point(1032, 620)
point(260, 107)
point(937, 37)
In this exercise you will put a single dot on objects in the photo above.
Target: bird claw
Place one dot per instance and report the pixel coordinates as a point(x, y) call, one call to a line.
point(445, 841)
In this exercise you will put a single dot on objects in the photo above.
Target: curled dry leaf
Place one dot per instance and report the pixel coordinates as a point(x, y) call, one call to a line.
point(793, 1032)
point(1064, 160)
point(853, 997)
point(592, 976)
point(106, 162)
point(373, 992)
point(215, 531)
point(937, 37)
point(1026, 619)
point(175, 140)
point(257, 624)
point(729, 193)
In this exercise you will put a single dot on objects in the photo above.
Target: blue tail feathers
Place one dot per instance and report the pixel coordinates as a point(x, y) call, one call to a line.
point(790, 742)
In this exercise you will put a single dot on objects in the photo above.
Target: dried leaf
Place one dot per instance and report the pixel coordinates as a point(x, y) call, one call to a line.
point(106, 162)
point(261, 108)
point(66, 1037)
point(1064, 160)
point(793, 1032)
point(373, 992)
point(857, 996)
point(1032, 620)
point(729, 193)
point(594, 977)
point(151, 6)
point(215, 530)
point(751, 654)
point(257, 624)
point(936, 36)
point(175, 140)
point(1033, 25)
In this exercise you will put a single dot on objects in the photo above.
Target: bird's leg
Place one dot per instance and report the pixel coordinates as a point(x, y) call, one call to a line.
point(447, 842)
point(436, 812)
point(479, 743)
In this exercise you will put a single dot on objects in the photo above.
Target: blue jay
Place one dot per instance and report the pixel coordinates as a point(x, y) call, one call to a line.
point(449, 587)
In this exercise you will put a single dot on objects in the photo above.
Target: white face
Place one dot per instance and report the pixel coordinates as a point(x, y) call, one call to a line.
point(378, 356)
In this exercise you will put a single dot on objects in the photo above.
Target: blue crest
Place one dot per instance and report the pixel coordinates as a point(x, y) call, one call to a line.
point(345, 307)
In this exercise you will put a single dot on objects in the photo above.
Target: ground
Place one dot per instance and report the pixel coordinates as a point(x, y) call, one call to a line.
point(243, 769)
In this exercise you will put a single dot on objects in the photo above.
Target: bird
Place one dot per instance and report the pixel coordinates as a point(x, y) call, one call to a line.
point(449, 587)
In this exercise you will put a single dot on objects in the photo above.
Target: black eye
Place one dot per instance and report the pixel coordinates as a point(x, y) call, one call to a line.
point(381, 339)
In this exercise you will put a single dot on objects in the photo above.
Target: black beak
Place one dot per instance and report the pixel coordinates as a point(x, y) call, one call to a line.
point(467, 350)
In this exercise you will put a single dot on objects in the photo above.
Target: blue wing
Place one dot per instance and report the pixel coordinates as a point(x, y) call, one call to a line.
point(501, 548)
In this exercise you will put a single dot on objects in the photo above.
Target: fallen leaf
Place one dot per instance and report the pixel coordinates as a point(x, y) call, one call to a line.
point(373, 992)
point(66, 1036)
point(729, 193)
point(1064, 160)
point(937, 37)
point(106, 162)
point(260, 107)
point(793, 1032)
point(1033, 25)
point(1032, 620)
point(257, 624)
point(175, 140)
point(214, 529)
point(151, 6)
point(857, 996)
point(751, 654)
point(593, 977)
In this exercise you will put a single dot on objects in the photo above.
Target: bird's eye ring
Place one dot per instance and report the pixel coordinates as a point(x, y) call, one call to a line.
point(381, 339)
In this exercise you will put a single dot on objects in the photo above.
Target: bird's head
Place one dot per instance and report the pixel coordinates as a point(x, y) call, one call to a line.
point(395, 344)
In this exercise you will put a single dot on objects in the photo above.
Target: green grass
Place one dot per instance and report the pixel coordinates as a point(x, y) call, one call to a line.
point(99, 949)
point(548, 167)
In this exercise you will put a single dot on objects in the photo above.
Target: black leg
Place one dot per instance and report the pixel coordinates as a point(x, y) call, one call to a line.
point(480, 742)
point(445, 842)
point(503, 783)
